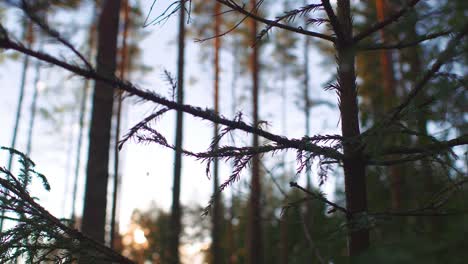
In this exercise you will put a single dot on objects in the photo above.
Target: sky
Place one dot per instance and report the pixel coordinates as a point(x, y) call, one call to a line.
point(147, 169)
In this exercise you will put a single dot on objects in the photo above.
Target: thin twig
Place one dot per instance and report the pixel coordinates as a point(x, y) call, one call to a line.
point(320, 198)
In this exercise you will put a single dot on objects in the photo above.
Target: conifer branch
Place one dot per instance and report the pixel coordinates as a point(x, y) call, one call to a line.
point(271, 23)
point(132, 90)
point(391, 19)
point(403, 44)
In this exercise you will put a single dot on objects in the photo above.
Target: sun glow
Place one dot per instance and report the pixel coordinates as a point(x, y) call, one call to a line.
point(139, 236)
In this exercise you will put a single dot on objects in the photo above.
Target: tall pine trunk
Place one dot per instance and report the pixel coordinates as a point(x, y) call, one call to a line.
point(307, 106)
point(175, 224)
point(122, 75)
point(216, 249)
point(254, 228)
point(353, 163)
point(94, 213)
point(389, 92)
point(33, 107)
point(230, 229)
point(81, 119)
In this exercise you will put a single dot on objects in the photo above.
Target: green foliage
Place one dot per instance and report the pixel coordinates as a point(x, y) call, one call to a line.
point(32, 233)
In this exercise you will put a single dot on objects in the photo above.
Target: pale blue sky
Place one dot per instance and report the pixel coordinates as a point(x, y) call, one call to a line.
point(147, 169)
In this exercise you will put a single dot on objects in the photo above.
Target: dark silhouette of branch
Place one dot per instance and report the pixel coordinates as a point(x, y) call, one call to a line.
point(146, 95)
point(433, 207)
point(442, 59)
point(234, 6)
point(291, 15)
point(391, 19)
point(322, 199)
point(236, 25)
point(335, 24)
point(429, 148)
point(31, 14)
point(403, 44)
point(33, 208)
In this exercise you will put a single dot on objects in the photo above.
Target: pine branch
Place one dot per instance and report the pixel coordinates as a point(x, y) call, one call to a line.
point(442, 59)
point(391, 19)
point(403, 44)
point(322, 199)
point(37, 232)
point(234, 6)
point(132, 90)
point(335, 24)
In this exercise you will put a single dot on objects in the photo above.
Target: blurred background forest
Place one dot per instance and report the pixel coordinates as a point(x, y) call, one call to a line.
point(159, 203)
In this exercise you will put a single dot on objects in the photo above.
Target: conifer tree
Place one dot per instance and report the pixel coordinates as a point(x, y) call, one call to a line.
point(94, 212)
point(254, 230)
point(175, 225)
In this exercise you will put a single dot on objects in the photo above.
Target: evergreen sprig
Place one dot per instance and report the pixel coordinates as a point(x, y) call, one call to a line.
point(35, 235)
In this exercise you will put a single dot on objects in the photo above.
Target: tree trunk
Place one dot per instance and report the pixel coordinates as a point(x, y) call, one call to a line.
point(122, 72)
point(81, 118)
point(231, 238)
point(175, 224)
point(386, 61)
point(94, 213)
point(353, 163)
point(216, 249)
point(307, 106)
point(37, 79)
point(254, 228)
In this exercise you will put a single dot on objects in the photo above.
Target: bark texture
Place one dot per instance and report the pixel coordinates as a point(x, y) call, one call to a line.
point(94, 213)
point(353, 163)
point(254, 228)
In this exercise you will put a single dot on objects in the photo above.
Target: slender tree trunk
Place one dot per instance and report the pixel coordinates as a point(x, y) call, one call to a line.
point(94, 213)
point(386, 61)
point(284, 115)
point(28, 37)
point(216, 249)
point(307, 106)
point(70, 145)
point(37, 79)
point(254, 228)
point(176, 214)
point(122, 72)
point(283, 223)
point(353, 163)
point(81, 118)
point(231, 238)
